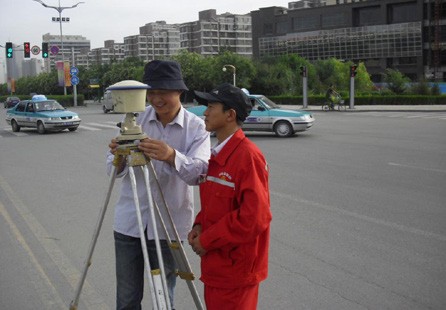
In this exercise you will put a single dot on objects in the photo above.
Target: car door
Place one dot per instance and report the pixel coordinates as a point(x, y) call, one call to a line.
point(259, 118)
point(30, 115)
point(20, 114)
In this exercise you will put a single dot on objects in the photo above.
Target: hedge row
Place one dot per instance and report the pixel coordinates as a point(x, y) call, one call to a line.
point(366, 100)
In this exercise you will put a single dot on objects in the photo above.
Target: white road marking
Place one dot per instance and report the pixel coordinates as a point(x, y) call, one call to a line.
point(417, 167)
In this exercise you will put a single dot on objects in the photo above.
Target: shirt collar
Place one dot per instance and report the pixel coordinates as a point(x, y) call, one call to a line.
point(217, 147)
point(179, 119)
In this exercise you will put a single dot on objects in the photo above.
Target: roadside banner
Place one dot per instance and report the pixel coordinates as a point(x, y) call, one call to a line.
point(63, 73)
point(60, 73)
point(67, 74)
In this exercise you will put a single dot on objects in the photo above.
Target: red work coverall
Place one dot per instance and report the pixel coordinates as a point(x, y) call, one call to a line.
point(235, 216)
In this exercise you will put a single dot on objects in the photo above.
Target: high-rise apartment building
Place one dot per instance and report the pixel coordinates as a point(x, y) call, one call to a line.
point(214, 33)
point(110, 53)
point(155, 40)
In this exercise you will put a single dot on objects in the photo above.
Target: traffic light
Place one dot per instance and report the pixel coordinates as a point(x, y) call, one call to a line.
point(353, 70)
point(44, 50)
point(303, 71)
point(9, 50)
point(26, 50)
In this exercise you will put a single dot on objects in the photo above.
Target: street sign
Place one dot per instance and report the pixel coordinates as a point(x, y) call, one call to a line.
point(54, 50)
point(74, 70)
point(74, 80)
point(35, 50)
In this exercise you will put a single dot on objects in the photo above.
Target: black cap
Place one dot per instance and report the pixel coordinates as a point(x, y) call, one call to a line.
point(161, 74)
point(231, 96)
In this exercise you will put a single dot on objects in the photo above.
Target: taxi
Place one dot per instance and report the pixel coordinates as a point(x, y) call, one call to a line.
point(268, 116)
point(43, 114)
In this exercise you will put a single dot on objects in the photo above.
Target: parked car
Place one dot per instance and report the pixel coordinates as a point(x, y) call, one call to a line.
point(268, 116)
point(11, 101)
point(43, 114)
point(107, 102)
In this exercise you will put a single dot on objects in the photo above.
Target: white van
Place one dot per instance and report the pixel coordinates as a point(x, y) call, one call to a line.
point(107, 102)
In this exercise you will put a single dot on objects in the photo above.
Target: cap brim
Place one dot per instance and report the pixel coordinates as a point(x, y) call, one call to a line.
point(205, 98)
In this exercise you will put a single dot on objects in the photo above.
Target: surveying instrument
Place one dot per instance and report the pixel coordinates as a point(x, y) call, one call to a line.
point(129, 97)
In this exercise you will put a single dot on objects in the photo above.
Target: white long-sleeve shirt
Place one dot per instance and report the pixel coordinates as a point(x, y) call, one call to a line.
point(188, 136)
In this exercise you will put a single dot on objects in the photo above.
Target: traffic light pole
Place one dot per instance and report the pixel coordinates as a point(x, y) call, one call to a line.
point(304, 74)
point(352, 92)
point(304, 91)
point(60, 9)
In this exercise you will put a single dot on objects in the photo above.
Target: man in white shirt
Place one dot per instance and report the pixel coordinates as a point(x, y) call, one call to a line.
point(179, 147)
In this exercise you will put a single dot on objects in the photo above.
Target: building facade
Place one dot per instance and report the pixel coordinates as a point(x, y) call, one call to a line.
point(110, 53)
point(157, 40)
point(382, 34)
point(214, 33)
point(73, 45)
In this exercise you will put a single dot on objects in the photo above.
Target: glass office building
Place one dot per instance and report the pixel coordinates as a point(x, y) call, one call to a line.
point(395, 40)
point(407, 35)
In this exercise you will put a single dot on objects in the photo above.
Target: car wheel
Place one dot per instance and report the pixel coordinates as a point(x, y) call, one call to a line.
point(40, 128)
point(15, 126)
point(72, 129)
point(283, 129)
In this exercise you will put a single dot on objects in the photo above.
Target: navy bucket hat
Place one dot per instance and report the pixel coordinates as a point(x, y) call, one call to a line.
point(161, 74)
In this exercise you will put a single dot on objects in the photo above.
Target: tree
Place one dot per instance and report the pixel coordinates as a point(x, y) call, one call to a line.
point(396, 81)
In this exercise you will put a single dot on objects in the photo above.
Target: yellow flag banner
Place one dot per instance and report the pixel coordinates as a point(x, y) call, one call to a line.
point(67, 74)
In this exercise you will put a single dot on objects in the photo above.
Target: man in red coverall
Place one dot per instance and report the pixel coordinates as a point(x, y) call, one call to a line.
point(231, 232)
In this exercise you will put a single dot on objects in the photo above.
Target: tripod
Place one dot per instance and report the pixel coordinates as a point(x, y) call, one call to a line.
point(156, 278)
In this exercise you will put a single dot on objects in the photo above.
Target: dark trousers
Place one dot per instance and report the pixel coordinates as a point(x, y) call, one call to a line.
point(130, 271)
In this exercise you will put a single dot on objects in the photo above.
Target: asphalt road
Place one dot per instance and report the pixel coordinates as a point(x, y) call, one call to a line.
point(358, 203)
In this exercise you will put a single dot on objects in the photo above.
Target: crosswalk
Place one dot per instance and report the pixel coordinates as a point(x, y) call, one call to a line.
point(92, 126)
point(407, 115)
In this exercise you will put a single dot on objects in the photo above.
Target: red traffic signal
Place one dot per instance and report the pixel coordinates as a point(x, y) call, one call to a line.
point(353, 70)
point(26, 50)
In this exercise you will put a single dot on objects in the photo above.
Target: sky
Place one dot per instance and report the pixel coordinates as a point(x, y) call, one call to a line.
point(101, 20)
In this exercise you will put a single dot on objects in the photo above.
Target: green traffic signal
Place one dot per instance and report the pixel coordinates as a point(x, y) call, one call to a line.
point(9, 50)
point(44, 50)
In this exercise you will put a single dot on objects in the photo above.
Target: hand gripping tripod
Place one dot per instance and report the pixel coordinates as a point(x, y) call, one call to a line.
point(156, 278)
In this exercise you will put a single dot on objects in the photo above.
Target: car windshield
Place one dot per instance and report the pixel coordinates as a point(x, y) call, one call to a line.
point(49, 105)
point(269, 103)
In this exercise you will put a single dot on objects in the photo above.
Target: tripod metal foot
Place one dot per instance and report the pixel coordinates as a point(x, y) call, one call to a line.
point(156, 278)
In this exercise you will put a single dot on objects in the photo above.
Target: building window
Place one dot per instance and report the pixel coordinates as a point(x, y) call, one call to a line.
point(333, 20)
point(367, 16)
point(402, 13)
point(282, 27)
point(306, 23)
point(268, 29)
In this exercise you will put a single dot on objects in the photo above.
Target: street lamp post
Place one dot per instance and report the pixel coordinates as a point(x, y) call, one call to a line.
point(233, 72)
point(60, 9)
